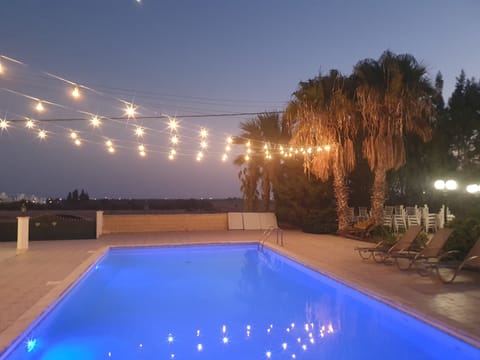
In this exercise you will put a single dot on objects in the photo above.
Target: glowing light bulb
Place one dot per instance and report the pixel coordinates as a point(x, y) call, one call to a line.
point(4, 124)
point(141, 148)
point(170, 338)
point(265, 146)
point(224, 329)
point(2, 68)
point(139, 132)
point(174, 139)
point(248, 143)
point(327, 147)
point(130, 111)
point(203, 144)
point(172, 124)
point(304, 347)
point(247, 158)
point(203, 133)
point(268, 354)
point(109, 143)
point(198, 332)
point(111, 149)
point(249, 151)
point(330, 329)
point(225, 340)
point(229, 140)
point(199, 347)
point(78, 142)
point(284, 346)
point(224, 157)
point(294, 356)
point(319, 149)
point(29, 124)
point(39, 107)
point(42, 134)
point(199, 156)
point(95, 121)
point(171, 157)
point(174, 152)
point(228, 148)
point(76, 93)
point(73, 135)
point(249, 327)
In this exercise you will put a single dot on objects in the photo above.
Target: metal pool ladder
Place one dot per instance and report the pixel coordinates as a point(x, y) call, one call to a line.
point(266, 234)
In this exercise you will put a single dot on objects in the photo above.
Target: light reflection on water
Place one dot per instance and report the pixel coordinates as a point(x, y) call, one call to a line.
point(224, 302)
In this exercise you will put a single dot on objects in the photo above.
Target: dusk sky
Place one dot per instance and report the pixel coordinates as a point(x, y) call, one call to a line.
point(188, 57)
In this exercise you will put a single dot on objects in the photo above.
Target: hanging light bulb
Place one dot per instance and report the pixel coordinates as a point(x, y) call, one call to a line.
point(73, 135)
point(130, 111)
point(42, 134)
point(29, 124)
point(2, 68)
point(228, 148)
point(224, 157)
point(4, 124)
point(139, 131)
point(95, 121)
point(111, 149)
point(247, 157)
point(172, 154)
point(203, 133)
point(172, 124)
point(142, 151)
point(248, 143)
point(327, 147)
point(109, 143)
point(174, 140)
point(203, 144)
point(199, 156)
point(39, 107)
point(78, 142)
point(76, 92)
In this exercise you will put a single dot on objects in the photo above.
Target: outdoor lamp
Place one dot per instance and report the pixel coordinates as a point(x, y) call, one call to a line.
point(445, 186)
point(473, 188)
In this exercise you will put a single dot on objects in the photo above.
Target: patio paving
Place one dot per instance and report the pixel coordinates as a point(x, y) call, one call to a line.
point(29, 282)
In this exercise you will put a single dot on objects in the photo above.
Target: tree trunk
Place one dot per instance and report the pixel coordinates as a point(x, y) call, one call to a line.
point(266, 191)
point(341, 196)
point(378, 194)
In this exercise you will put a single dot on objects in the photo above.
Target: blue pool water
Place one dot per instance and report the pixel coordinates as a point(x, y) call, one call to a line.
point(223, 302)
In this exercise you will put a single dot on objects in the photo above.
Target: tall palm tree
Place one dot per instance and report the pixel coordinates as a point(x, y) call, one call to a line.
point(323, 122)
point(263, 133)
point(394, 97)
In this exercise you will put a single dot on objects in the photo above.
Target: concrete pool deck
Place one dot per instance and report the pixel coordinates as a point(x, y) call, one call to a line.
point(29, 282)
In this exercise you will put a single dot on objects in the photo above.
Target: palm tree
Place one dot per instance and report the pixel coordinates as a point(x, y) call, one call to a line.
point(323, 122)
point(394, 98)
point(263, 134)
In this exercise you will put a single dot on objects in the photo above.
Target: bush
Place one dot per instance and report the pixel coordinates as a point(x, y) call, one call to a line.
point(466, 232)
point(320, 222)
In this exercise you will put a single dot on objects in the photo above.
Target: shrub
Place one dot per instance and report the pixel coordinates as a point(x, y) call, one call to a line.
point(320, 222)
point(466, 232)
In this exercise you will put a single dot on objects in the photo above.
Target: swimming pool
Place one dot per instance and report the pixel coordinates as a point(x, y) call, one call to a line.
point(223, 302)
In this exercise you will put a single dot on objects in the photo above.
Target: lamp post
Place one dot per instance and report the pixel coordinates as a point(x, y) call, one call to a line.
point(445, 186)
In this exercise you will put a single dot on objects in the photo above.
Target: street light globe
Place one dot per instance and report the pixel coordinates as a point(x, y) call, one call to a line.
point(473, 188)
point(439, 185)
point(451, 185)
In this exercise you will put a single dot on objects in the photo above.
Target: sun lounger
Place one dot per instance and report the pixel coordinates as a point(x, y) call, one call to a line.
point(381, 252)
point(422, 259)
point(448, 271)
point(359, 230)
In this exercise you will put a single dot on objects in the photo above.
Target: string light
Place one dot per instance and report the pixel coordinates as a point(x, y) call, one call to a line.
point(203, 145)
point(203, 133)
point(42, 134)
point(174, 140)
point(78, 142)
point(110, 147)
point(172, 124)
point(39, 107)
point(139, 132)
point(95, 121)
point(247, 158)
point(130, 111)
point(4, 124)
point(142, 151)
point(29, 124)
point(75, 92)
point(199, 156)
point(224, 157)
point(171, 156)
point(73, 135)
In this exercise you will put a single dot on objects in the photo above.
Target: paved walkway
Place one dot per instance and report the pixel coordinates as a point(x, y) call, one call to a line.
point(29, 282)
